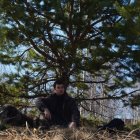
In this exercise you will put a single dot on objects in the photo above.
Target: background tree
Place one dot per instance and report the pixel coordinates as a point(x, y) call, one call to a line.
point(46, 40)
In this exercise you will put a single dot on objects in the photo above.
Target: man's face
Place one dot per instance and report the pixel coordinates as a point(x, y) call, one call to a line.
point(59, 89)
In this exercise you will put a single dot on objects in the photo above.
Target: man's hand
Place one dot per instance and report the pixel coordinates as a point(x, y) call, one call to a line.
point(72, 125)
point(47, 114)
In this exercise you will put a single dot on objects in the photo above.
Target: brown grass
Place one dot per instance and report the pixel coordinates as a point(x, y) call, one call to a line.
point(66, 134)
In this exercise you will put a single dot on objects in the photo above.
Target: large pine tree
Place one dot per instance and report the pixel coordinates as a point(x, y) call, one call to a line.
point(49, 39)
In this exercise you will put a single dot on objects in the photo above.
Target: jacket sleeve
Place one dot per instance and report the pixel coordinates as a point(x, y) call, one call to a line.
point(75, 112)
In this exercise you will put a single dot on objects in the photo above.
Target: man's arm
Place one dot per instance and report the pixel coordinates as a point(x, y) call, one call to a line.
point(75, 115)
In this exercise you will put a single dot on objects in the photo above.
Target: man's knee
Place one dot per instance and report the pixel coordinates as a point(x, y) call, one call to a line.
point(40, 103)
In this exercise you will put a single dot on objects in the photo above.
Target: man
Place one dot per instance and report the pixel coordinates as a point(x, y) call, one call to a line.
point(59, 108)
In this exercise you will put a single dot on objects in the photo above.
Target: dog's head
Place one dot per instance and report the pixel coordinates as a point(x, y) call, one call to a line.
point(8, 113)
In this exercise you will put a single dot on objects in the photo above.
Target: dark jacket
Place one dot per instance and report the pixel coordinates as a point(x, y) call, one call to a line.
point(63, 109)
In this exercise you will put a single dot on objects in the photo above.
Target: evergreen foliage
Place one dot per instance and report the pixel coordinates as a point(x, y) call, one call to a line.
point(48, 39)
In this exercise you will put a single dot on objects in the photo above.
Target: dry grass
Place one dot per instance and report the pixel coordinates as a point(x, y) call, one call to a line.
point(66, 134)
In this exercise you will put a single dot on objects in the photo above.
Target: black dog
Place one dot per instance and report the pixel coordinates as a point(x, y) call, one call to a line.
point(10, 115)
point(115, 124)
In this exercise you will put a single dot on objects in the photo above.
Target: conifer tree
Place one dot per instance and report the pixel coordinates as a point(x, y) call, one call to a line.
point(48, 39)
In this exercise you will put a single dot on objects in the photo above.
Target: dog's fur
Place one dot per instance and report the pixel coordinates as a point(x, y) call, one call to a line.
point(115, 124)
point(10, 115)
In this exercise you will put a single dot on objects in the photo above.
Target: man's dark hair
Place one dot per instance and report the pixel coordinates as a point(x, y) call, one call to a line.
point(58, 82)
